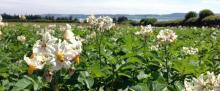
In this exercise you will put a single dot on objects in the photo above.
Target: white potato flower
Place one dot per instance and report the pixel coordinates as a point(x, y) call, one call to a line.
point(211, 78)
point(154, 48)
point(62, 56)
point(217, 82)
point(68, 34)
point(190, 50)
point(36, 26)
point(214, 35)
point(104, 23)
point(21, 38)
point(74, 43)
point(68, 27)
point(166, 36)
point(91, 36)
point(145, 30)
point(22, 17)
point(188, 86)
point(195, 28)
point(35, 62)
point(91, 20)
point(1, 18)
point(47, 41)
point(51, 27)
point(58, 54)
point(2, 24)
point(200, 83)
point(208, 82)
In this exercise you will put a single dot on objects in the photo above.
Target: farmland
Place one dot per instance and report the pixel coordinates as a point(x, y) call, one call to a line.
point(108, 57)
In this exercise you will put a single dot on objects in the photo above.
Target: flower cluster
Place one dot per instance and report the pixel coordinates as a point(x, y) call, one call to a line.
point(21, 38)
point(91, 36)
point(22, 17)
point(190, 50)
point(209, 82)
point(214, 35)
point(102, 23)
point(91, 20)
point(1, 23)
point(145, 31)
point(166, 36)
point(154, 47)
point(1, 18)
point(55, 53)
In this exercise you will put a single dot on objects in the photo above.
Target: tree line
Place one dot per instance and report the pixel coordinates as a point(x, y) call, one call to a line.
point(204, 18)
point(37, 18)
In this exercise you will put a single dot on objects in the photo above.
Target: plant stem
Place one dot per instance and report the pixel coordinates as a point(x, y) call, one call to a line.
point(145, 43)
point(166, 65)
point(99, 48)
point(54, 84)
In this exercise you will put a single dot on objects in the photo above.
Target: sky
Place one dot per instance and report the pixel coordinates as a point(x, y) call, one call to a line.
point(106, 6)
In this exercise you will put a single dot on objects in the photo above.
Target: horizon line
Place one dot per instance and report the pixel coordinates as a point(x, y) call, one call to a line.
point(102, 13)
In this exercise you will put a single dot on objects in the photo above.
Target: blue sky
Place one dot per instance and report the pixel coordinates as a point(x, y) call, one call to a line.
point(106, 6)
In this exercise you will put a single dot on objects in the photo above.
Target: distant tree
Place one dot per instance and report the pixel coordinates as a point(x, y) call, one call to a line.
point(114, 20)
point(49, 17)
point(204, 13)
point(148, 21)
point(33, 17)
point(190, 14)
point(70, 18)
point(62, 18)
point(122, 19)
point(75, 20)
point(7, 16)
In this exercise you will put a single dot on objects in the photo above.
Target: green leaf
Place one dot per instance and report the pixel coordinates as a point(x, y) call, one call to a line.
point(89, 82)
point(21, 84)
point(35, 84)
point(140, 87)
point(95, 69)
point(141, 75)
point(157, 86)
point(123, 74)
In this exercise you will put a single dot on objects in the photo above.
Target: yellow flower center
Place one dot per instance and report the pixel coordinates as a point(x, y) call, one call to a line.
point(167, 33)
point(31, 69)
point(160, 40)
point(173, 38)
point(60, 56)
point(77, 59)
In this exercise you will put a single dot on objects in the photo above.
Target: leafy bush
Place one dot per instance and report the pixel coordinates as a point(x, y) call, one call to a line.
point(122, 19)
point(191, 21)
point(190, 14)
point(169, 23)
point(204, 13)
point(148, 21)
point(134, 23)
point(211, 20)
